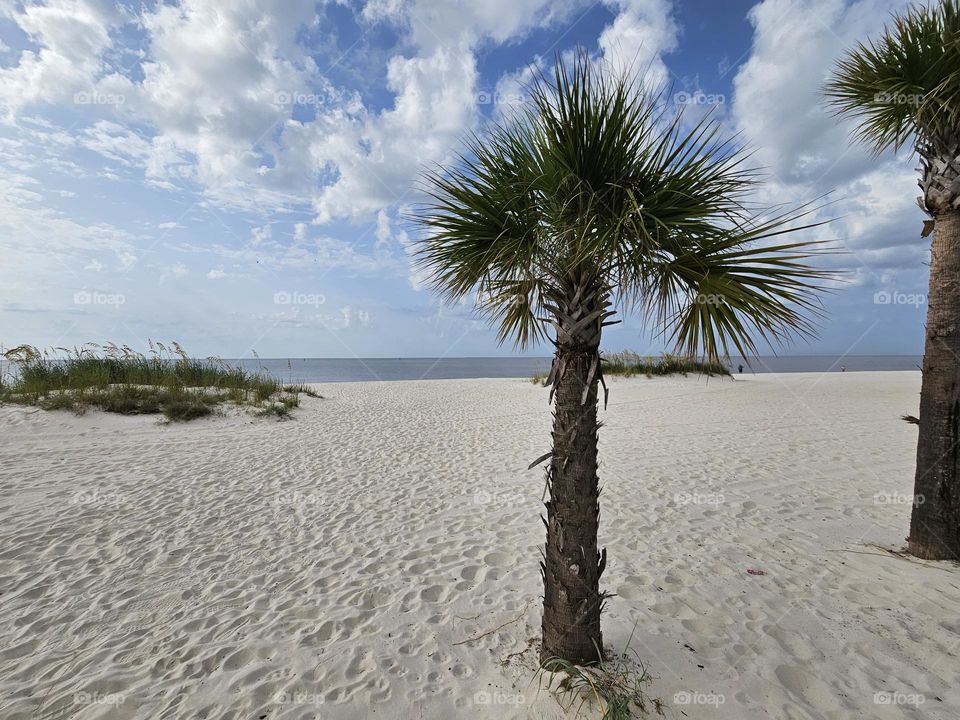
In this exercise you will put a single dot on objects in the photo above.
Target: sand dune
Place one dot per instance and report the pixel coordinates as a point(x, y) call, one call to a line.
point(351, 563)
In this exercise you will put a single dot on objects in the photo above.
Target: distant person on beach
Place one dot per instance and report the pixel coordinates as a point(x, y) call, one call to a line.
point(843, 368)
point(740, 369)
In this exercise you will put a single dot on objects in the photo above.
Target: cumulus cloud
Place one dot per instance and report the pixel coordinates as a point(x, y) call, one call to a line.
point(220, 92)
point(377, 157)
point(70, 37)
point(640, 34)
point(778, 107)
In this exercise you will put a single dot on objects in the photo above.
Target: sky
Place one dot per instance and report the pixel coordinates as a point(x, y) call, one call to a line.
point(239, 176)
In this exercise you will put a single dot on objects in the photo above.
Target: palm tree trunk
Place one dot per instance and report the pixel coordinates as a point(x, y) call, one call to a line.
point(572, 565)
point(935, 523)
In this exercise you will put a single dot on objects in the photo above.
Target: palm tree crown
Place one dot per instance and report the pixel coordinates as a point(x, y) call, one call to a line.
point(905, 87)
point(595, 176)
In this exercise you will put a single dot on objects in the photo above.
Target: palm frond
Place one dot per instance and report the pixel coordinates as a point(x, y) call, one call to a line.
point(599, 178)
point(905, 85)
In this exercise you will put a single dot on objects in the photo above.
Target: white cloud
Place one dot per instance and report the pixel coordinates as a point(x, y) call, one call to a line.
point(71, 35)
point(377, 157)
point(779, 108)
point(432, 24)
point(260, 234)
point(779, 101)
point(383, 226)
point(216, 274)
point(640, 34)
point(213, 105)
point(299, 232)
point(116, 142)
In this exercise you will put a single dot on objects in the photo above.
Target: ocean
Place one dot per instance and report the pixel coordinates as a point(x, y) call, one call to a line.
point(317, 370)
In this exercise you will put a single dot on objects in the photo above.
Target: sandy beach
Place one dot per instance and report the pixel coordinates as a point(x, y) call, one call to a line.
point(377, 556)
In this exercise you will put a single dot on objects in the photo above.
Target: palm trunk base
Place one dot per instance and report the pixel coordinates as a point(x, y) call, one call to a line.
point(935, 521)
point(581, 646)
point(932, 551)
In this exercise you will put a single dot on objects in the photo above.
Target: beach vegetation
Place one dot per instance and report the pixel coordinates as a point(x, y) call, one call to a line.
point(629, 364)
point(116, 379)
point(617, 689)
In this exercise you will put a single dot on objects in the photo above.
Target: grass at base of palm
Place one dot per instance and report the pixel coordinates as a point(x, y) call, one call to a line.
point(119, 380)
point(616, 687)
point(629, 364)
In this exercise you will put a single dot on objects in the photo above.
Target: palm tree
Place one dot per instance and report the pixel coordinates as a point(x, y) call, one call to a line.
point(593, 197)
point(905, 88)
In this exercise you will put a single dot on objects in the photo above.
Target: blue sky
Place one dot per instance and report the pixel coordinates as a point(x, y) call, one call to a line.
point(235, 176)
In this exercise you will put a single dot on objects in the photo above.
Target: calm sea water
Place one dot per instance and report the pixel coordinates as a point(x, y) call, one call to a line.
point(315, 370)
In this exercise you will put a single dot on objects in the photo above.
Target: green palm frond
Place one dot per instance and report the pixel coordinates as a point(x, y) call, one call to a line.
point(906, 84)
point(597, 176)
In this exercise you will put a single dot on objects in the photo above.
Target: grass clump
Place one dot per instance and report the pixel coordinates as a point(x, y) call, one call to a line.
point(278, 410)
point(117, 379)
point(186, 409)
point(628, 364)
point(301, 389)
point(617, 687)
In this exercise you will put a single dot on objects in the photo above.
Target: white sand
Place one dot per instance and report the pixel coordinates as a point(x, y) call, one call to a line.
point(150, 572)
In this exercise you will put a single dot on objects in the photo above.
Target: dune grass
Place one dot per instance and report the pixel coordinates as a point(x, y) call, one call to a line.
point(616, 690)
point(118, 379)
point(614, 687)
point(629, 364)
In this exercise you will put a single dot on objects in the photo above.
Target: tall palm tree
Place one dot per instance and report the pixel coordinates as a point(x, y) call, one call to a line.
point(592, 198)
point(905, 88)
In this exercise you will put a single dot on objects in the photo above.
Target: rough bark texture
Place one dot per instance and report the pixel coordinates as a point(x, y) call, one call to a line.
point(940, 174)
point(935, 523)
point(572, 563)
